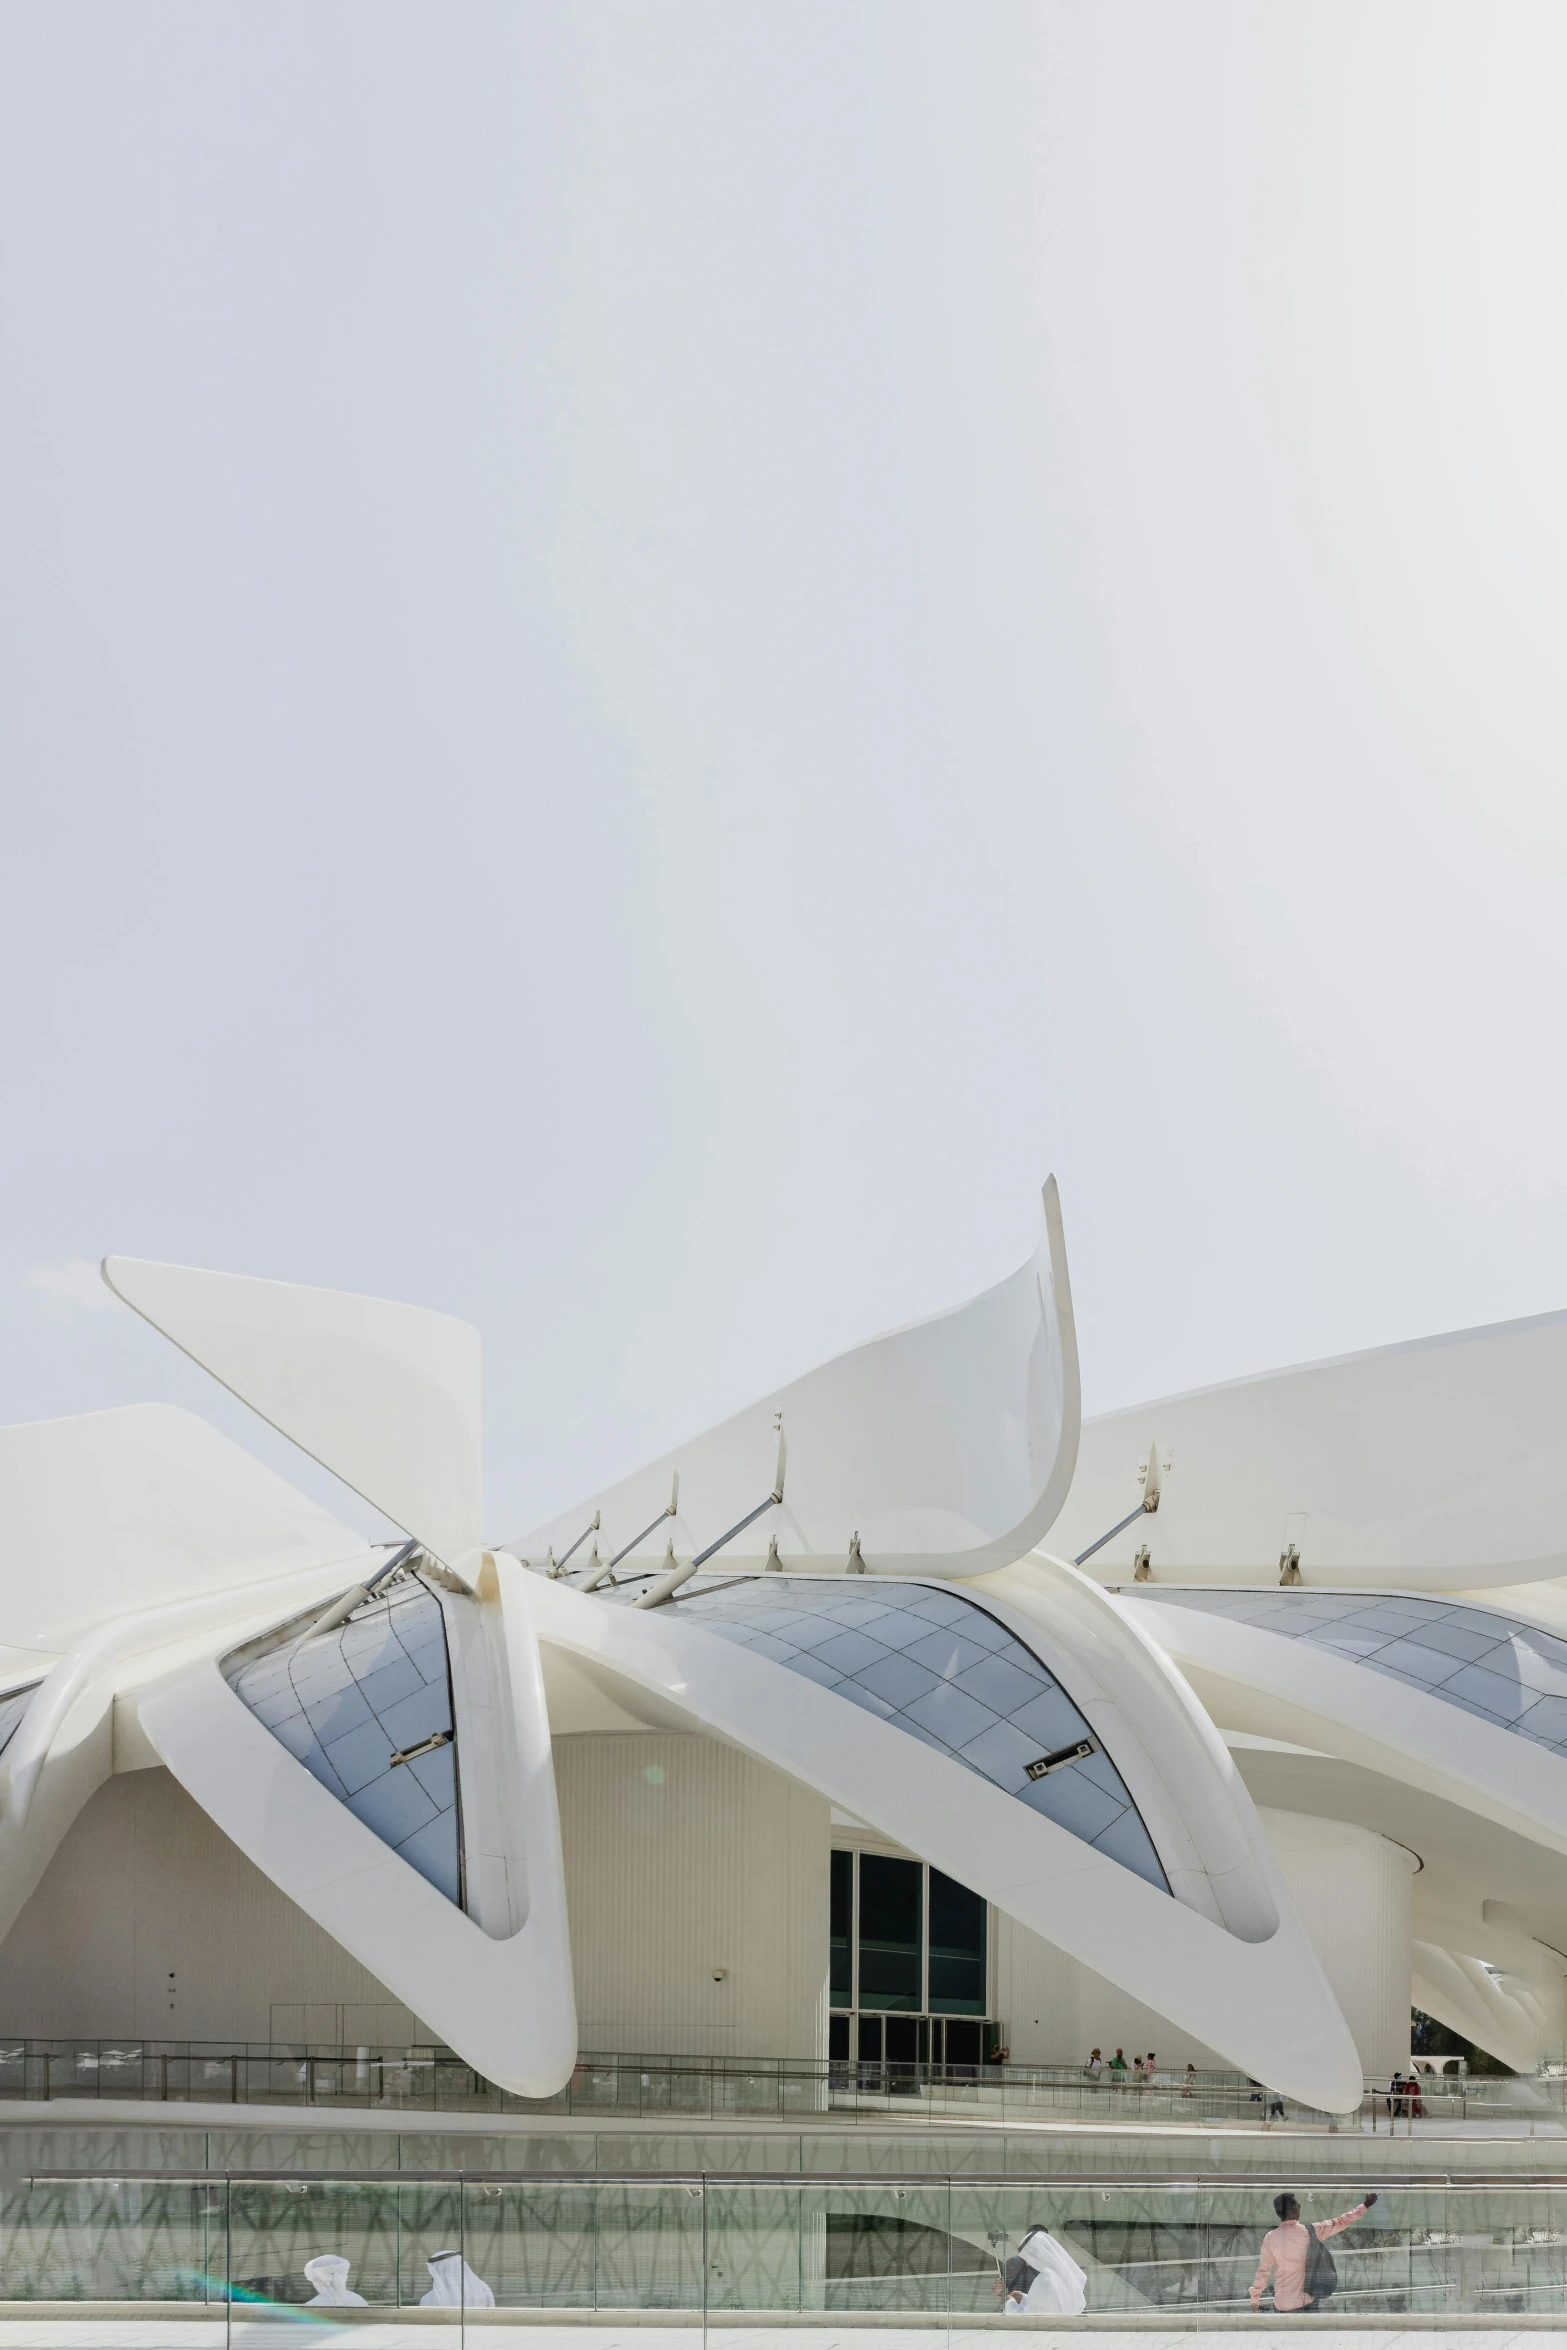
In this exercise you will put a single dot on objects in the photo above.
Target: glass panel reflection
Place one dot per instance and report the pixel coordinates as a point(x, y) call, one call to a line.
point(367, 1709)
point(1490, 1665)
point(946, 1671)
point(957, 1948)
point(891, 1903)
point(840, 1931)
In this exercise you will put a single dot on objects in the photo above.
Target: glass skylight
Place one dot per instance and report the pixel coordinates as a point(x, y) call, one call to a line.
point(1490, 1665)
point(355, 1705)
point(944, 1670)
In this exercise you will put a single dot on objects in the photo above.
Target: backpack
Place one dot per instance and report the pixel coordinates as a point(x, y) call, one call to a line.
point(1321, 2278)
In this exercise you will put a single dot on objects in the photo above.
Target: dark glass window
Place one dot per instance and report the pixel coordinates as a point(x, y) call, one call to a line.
point(890, 1906)
point(841, 1931)
point(957, 1948)
point(961, 2045)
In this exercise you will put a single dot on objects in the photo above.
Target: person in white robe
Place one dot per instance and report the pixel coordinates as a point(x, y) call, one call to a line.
point(453, 2284)
point(1059, 2288)
point(328, 2272)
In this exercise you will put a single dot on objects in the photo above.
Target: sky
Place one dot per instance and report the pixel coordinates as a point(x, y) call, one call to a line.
point(653, 655)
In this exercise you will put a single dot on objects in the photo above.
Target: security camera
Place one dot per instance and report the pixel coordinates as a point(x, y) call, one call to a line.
point(720, 1974)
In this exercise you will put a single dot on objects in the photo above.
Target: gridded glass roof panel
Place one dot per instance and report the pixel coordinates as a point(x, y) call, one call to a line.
point(347, 1702)
point(942, 1669)
point(1503, 1671)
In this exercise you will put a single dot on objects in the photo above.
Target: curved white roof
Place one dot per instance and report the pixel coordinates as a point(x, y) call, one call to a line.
point(1440, 1464)
point(947, 1447)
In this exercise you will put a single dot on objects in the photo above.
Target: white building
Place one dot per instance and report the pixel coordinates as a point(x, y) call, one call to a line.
point(808, 1737)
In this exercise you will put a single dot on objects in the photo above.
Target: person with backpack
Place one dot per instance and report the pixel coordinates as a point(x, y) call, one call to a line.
point(1297, 2257)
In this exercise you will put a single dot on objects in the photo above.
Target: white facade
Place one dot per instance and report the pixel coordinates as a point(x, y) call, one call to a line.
point(696, 1881)
point(583, 1791)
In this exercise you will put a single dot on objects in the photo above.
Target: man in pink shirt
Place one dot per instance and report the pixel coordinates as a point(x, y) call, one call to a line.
point(1284, 2251)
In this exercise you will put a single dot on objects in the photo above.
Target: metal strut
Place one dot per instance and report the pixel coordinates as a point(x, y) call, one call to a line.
point(1142, 1510)
point(671, 1509)
point(341, 1609)
point(558, 1566)
point(667, 1585)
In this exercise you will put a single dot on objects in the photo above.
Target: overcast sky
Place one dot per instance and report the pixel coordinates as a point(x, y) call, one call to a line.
point(651, 655)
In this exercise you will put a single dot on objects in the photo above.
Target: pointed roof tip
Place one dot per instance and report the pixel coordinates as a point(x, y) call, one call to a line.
point(384, 1395)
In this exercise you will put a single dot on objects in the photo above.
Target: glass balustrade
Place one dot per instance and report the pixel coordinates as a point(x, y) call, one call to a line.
point(850, 2088)
point(91, 2257)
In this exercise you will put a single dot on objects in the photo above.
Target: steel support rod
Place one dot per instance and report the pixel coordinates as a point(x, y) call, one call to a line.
point(669, 1510)
point(667, 1585)
point(341, 1609)
point(591, 1527)
point(1140, 1511)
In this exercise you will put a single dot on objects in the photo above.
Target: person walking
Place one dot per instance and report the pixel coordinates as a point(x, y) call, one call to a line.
point(453, 2284)
point(1093, 2070)
point(1042, 2279)
point(1286, 2252)
point(328, 2272)
point(1117, 2069)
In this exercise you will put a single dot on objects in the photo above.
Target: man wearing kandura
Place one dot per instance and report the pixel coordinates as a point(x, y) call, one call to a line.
point(1284, 2251)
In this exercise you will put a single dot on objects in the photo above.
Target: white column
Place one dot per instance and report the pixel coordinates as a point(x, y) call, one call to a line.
point(1351, 1890)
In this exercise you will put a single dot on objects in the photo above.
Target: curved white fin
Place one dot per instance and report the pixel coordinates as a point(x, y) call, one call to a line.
point(505, 2002)
point(1434, 1465)
point(127, 1509)
point(386, 1396)
point(945, 1448)
point(1263, 2003)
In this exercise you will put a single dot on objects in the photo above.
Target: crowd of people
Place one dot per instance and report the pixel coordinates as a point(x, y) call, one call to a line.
point(1141, 2073)
point(1040, 2279)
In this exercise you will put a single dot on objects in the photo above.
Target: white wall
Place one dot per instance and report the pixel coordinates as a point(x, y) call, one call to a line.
point(684, 1856)
point(150, 1922)
point(1352, 1891)
point(1054, 2010)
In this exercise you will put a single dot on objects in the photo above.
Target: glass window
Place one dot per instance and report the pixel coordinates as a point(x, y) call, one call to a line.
point(945, 1671)
point(957, 1948)
point(841, 1931)
point(367, 1708)
point(1511, 1674)
point(891, 1902)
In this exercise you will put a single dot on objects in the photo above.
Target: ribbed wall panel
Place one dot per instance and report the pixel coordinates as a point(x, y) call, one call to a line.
point(150, 1922)
point(684, 1860)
